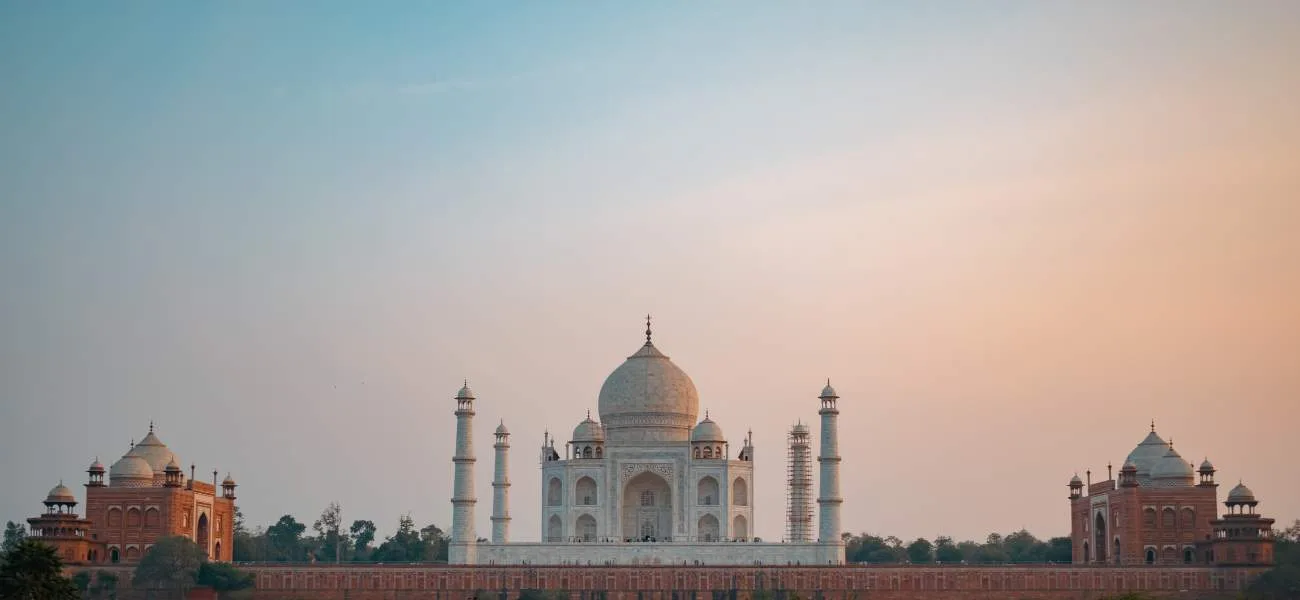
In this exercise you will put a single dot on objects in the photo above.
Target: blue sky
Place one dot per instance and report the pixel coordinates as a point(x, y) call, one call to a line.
point(286, 232)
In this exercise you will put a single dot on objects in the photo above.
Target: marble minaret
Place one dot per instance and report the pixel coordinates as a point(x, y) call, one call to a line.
point(463, 538)
point(828, 525)
point(501, 487)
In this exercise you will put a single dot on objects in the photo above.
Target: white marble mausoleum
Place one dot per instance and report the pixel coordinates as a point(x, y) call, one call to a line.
point(647, 484)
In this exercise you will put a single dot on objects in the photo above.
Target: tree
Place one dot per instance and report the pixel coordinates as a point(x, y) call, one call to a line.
point(945, 551)
point(171, 564)
point(223, 577)
point(1023, 547)
point(363, 533)
point(328, 527)
point(405, 545)
point(14, 533)
point(285, 539)
point(82, 581)
point(435, 542)
point(1059, 550)
point(105, 581)
point(920, 551)
point(33, 571)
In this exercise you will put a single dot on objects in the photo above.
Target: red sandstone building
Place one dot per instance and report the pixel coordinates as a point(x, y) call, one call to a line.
point(147, 497)
point(1163, 512)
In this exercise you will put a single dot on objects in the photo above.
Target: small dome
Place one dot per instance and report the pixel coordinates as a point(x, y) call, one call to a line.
point(828, 391)
point(1129, 467)
point(172, 467)
point(1075, 481)
point(228, 480)
point(800, 428)
point(1172, 467)
point(130, 469)
point(588, 431)
point(501, 429)
point(1241, 494)
point(1207, 466)
point(96, 467)
point(707, 431)
point(61, 495)
point(465, 393)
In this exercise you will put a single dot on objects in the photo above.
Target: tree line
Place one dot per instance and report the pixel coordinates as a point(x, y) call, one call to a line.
point(1017, 547)
point(333, 540)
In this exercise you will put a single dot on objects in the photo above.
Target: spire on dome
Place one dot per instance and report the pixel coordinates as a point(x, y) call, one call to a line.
point(150, 425)
point(647, 330)
point(1153, 425)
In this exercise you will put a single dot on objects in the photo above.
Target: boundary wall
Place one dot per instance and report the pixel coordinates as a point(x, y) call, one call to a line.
point(850, 582)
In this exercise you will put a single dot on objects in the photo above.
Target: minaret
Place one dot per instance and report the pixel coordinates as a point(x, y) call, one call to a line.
point(828, 527)
point(460, 550)
point(798, 513)
point(501, 488)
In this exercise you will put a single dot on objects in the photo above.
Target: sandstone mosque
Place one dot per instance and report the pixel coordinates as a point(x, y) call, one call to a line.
point(649, 484)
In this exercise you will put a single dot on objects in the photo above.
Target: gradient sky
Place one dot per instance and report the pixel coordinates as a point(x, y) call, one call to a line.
point(1011, 233)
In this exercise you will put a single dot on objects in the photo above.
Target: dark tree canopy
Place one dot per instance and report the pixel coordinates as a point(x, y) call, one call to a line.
point(14, 533)
point(32, 571)
point(170, 564)
point(223, 577)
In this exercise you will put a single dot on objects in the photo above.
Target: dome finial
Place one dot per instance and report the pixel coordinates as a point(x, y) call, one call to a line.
point(150, 425)
point(1153, 425)
point(588, 414)
point(647, 329)
point(706, 414)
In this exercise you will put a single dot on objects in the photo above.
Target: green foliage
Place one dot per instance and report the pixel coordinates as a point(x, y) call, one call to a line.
point(285, 540)
point(945, 551)
point(363, 533)
point(1283, 580)
point(14, 533)
point(32, 571)
point(920, 551)
point(105, 583)
point(329, 531)
point(223, 577)
point(82, 581)
point(170, 564)
point(1018, 547)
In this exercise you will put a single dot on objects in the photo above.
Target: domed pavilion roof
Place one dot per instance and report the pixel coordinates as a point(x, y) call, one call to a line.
point(61, 495)
point(707, 431)
point(588, 431)
point(648, 398)
point(1240, 494)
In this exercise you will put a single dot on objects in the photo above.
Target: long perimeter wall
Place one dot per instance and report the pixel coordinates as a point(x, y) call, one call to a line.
point(1029, 582)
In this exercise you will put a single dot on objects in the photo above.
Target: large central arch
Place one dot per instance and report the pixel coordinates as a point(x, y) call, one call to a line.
point(647, 508)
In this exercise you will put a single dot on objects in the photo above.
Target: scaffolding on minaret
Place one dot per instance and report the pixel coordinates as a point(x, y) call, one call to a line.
point(799, 497)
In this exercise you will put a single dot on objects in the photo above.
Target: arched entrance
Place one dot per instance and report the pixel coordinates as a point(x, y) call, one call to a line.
point(201, 537)
point(1117, 553)
point(647, 508)
point(216, 550)
point(587, 528)
point(740, 528)
point(707, 529)
point(1100, 544)
point(555, 529)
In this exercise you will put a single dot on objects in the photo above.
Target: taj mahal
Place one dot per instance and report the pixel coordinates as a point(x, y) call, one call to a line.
point(649, 484)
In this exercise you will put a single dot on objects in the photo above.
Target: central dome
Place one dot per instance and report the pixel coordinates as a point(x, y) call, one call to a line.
point(648, 399)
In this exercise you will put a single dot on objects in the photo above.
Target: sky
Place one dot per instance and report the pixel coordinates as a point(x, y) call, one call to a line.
point(1010, 233)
